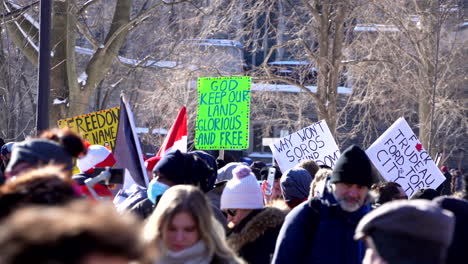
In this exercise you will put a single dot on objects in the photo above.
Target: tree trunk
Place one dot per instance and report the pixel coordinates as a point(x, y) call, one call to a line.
point(331, 35)
point(102, 60)
point(63, 54)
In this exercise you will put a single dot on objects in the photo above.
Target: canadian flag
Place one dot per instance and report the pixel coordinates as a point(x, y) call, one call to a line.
point(176, 139)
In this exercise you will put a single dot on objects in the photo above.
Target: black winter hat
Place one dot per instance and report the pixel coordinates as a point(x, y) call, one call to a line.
point(353, 167)
point(185, 168)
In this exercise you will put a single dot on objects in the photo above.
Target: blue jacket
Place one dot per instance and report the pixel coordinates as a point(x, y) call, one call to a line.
point(318, 231)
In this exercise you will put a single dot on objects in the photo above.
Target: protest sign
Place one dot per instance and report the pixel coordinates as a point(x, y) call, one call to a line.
point(98, 128)
point(400, 157)
point(223, 113)
point(314, 142)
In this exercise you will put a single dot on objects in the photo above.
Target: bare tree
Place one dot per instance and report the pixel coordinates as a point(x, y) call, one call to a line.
point(310, 35)
point(421, 73)
point(17, 98)
point(105, 30)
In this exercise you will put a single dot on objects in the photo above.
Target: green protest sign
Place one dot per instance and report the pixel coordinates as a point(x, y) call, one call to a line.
point(223, 113)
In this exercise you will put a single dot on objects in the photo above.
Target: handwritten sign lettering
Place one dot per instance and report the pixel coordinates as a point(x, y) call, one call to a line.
point(223, 113)
point(400, 157)
point(98, 128)
point(314, 142)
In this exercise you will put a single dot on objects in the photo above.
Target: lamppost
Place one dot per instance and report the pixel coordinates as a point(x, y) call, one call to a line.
point(43, 90)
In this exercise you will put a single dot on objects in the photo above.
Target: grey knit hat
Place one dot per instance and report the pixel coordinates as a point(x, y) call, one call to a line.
point(35, 151)
point(419, 219)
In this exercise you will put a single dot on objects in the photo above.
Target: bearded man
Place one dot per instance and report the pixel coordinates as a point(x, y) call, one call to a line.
point(321, 229)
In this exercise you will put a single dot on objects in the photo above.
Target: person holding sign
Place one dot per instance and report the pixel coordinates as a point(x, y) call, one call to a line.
point(321, 230)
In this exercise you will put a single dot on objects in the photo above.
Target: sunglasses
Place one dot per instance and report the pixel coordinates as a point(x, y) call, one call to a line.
point(231, 212)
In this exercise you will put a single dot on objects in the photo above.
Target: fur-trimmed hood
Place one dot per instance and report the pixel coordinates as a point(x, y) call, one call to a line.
point(268, 218)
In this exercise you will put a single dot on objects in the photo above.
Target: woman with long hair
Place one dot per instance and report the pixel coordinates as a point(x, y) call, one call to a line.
point(184, 230)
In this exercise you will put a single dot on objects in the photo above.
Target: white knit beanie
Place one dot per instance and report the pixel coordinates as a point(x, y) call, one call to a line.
point(242, 191)
point(97, 156)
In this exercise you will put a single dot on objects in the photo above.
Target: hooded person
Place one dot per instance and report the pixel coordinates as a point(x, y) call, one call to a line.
point(295, 186)
point(409, 232)
point(173, 169)
point(97, 157)
point(254, 228)
point(214, 191)
point(211, 162)
point(321, 229)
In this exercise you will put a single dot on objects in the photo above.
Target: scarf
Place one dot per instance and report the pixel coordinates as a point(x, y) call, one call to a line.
point(196, 254)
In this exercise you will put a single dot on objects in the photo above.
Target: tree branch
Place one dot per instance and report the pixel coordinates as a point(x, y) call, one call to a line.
point(86, 5)
point(114, 34)
point(11, 15)
point(355, 62)
point(87, 35)
point(22, 38)
point(312, 10)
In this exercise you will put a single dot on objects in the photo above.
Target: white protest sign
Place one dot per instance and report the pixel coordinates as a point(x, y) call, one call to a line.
point(400, 158)
point(314, 142)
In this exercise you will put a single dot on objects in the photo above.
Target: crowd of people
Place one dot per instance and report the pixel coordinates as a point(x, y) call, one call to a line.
point(200, 209)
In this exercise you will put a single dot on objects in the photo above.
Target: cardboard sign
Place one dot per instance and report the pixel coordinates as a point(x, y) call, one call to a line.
point(400, 157)
point(314, 142)
point(98, 128)
point(223, 113)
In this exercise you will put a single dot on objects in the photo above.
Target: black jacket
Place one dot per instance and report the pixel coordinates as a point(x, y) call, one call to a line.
point(458, 250)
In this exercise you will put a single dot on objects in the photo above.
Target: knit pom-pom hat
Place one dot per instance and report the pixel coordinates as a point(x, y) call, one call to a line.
point(242, 191)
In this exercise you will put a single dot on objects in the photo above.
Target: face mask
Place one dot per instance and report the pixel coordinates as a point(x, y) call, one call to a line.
point(156, 189)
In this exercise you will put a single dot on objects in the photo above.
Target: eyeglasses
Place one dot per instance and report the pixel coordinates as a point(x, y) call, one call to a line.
point(231, 212)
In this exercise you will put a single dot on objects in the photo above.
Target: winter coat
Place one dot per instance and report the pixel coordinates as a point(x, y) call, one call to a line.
point(457, 182)
point(214, 197)
point(144, 208)
point(445, 187)
point(320, 232)
point(458, 250)
point(255, 236)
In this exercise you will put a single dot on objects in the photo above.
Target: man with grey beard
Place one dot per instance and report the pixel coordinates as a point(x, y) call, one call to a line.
point(321, 230)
